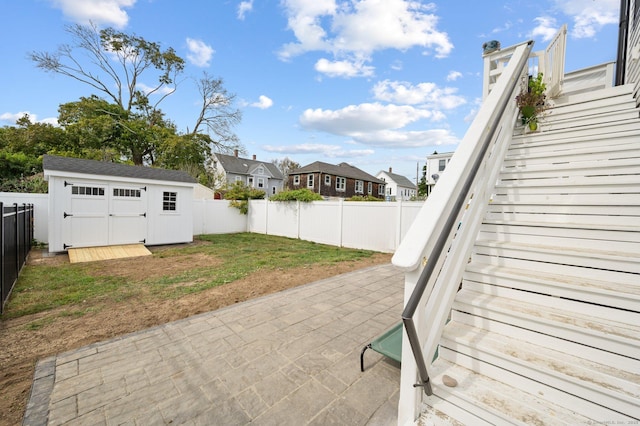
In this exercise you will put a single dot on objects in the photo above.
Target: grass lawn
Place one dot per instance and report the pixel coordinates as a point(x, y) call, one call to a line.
point(170, 273)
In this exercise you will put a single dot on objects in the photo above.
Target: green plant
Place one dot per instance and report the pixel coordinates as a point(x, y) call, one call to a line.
point(239, 194)
point(364, 198)
point(532, 101)
point(305, 195)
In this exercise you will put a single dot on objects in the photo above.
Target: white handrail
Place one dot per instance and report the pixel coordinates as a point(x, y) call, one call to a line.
point(554, 63)
point(442, 234)
point(550, 62)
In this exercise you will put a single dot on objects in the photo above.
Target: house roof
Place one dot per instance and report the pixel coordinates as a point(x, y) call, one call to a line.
point(93, 167)
point(342, 169)
point(399, 179)
point(244, 166)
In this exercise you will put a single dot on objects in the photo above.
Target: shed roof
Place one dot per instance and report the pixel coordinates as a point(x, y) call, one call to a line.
point(93, 167)
point(243, 166)
point(342, 169)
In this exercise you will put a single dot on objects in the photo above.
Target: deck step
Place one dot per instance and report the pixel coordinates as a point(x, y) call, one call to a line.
point(608, 391)
point(479, 399)
point(614, 290)
point(549, 256)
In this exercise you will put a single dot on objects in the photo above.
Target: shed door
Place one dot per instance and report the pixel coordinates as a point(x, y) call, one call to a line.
point(102, 215)
point(85, 216)
point(127, 214)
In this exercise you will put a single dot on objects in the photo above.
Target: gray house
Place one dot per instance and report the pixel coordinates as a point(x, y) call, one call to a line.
point(96, 203)
point(256, 174)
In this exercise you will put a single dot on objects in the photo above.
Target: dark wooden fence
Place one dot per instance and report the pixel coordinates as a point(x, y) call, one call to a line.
point(16, 234)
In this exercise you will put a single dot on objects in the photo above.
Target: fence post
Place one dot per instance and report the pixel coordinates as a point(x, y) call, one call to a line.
point(15, 205)
point(340, 219)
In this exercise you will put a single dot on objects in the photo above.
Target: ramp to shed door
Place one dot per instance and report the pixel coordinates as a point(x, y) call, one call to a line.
point(90, 254)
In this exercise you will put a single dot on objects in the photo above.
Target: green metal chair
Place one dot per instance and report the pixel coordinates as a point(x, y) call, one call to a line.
point(388, 344)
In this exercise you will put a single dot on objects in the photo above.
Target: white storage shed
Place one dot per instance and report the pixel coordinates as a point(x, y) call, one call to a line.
point(96, 203)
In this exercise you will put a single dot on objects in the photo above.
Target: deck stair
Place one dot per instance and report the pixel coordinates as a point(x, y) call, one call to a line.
point(546, 326)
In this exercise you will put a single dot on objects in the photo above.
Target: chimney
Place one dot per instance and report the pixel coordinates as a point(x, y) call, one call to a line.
point(254, 157)
point(235, 153)
point(390, 170)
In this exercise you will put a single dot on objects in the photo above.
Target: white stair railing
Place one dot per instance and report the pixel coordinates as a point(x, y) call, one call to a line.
point(554, 63)
point(550, 62)
point(442, 235)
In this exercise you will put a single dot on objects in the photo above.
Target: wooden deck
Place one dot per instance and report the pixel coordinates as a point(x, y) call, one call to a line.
point(90, 254)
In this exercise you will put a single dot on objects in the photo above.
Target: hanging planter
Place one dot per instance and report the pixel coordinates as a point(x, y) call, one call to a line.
point(532, 102)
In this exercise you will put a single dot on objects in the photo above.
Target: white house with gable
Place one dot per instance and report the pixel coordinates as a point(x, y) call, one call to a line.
point(398, 187)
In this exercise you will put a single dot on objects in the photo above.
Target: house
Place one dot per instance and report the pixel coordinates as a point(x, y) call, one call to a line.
point(96, 203)
point(522, 303)
point(336, 181)
point(435, 167)
point(253, 173)
point(397, 187)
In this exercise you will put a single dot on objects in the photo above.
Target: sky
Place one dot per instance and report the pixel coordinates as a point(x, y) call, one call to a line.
point(378, 84)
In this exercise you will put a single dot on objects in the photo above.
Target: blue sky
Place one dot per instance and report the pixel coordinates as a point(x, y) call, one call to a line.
point(375, 83)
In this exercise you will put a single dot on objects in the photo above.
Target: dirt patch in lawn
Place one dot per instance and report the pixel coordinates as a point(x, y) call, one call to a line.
point(26, 339)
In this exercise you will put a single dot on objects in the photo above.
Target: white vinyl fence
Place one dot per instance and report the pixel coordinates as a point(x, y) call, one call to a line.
point(378, 226)
point(40, 211)
point(366, 225)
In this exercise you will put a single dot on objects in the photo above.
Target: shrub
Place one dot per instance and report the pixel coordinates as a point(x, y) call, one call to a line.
point(239, 194)
point(305, 195)
point(364, 198)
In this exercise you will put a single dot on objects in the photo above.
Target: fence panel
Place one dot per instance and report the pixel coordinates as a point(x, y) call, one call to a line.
point(217, 217)
point(40, 211)
point(370, 225)
point(321, 221)
point(16, 234)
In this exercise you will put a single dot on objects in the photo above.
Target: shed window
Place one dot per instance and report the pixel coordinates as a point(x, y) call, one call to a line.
point(327, 180)
point(369, 188)
point(125, 192)
point(87, 190)
point(169, 201)
point(341, 183)
point(309, 181)
point(296, 180)
point(359, 187)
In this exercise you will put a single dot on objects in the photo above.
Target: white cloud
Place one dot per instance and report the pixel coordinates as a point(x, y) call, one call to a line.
point(199, 52)
point(378, 125)
point(330, 151)
point(453, 75)
point(101, 12)
point(11, 118)
point(264, 102)
point(243, 8)
point(164, 90)
point(589, 16)
point(408, 139)
point(546, 28)
point(343, 68)
point(353, 29)
point(427, 94)
point(362, 118)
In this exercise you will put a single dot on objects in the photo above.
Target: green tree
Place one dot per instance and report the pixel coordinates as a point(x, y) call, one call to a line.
point(114, 64)
point(422, 185)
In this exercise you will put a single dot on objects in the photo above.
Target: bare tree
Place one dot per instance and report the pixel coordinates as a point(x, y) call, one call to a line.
point(217, 114)
point(105, 48)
